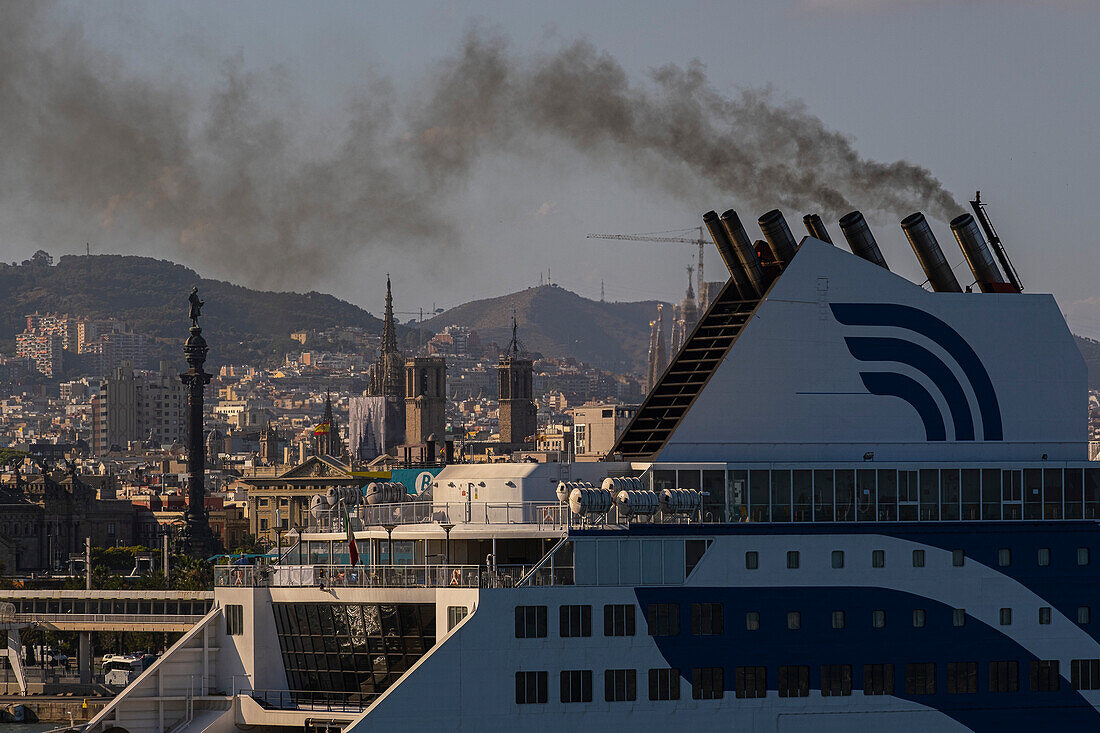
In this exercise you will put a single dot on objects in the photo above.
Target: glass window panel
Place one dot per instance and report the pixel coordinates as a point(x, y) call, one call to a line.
point(929, 495)
point(845, 495)
point(971, 494)
point(781, 496)
point(991, 493)
point(664, 480)
point(823, 496)
point(688, 480)
point(1033, 493)
point(865, 495)
point(714, 495)
point(1092, 493)
point(759, 491)
point(1052, 493)
point(739, 495)
point(887, 495)
point(802, 490)
point(1073, 495)
point(949, 494)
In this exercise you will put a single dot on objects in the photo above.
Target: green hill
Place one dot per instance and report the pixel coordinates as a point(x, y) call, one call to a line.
point(560, 323)
point(150, 295)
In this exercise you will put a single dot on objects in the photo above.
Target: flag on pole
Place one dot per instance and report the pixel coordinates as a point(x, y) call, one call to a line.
point(321, 429)
point(353, 549)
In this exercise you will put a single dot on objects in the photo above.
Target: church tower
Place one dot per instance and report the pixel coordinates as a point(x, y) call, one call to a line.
point(518, 418)
point(425, 400)
point(327, 434)
point(386, 374)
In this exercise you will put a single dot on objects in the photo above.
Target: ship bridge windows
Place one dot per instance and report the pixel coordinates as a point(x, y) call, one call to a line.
point(1033, 493)
point(845, 483)
point(823, 496)
point(949, 494)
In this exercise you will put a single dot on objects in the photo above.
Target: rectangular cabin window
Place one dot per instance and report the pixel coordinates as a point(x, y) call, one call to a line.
point(1043, 557)
point(530, 622)
point(908, 496)
point(574, 621)
point(794, 681)
point(618, 620)
point(1085, 674)
point(750, 682)
point(958, 558)
point(706, 619)
point(838, 619)
point(530, 688)
point(878, 619)
point(878, 558)
point(234, 620)
point(752, 621)
point(707, 683)
point(663, 619)
point(1084, 614)
point(838, 559)
point(792, 559)
point(1044, 675)
point(1004, 676)
point(958, 617)
point(794, 620)
point(1004, 557)
point(714, 496)
point(962, 678)
point(1082, 556)
point(836, 680)
point(1006, 617)
point(456, 614)
point(919, 618)
point(1044, 615)
point(738, 483)
point(664, 684)
point(620, 685)
point(918, 558)
point(752, 560)
point(878, 679)
point(920, 678)
point(1092, 493)
point(575, 685)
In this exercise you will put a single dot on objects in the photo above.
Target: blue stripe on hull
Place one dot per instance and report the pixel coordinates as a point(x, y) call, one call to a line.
point(817, 643)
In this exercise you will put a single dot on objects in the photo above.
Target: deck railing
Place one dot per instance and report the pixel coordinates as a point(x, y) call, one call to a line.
point(388, 576)
point(313, 700)
point(550, 515)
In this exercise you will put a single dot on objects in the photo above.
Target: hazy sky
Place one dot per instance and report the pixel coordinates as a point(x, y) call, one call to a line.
point(298, 145)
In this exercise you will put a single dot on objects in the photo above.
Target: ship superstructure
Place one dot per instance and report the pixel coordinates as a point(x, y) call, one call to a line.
point(849, 503)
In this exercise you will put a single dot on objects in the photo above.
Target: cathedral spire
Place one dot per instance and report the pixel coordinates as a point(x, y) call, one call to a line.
point(389, 333)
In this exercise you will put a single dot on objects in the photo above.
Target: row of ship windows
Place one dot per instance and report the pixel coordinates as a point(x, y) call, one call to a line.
point(958, 558)
point(708, 683)
point(707, 619)
point(846, 495)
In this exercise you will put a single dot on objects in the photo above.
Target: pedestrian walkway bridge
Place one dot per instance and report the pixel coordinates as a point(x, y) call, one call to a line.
point(109, 610)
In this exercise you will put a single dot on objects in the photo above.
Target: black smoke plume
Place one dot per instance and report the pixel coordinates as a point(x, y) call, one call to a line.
point(90, 144)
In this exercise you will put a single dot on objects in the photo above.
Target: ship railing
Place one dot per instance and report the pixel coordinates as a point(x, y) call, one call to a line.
point(391, 576)
point(549, 515)
point(314, 700)
point(348, 576)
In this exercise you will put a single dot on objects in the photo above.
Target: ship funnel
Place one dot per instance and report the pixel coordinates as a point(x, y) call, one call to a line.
point(860, 239)
point(746, 254)
point(929, 254)
point(729, 256)
point(816, 228)
point(779, 236)
point(978, 255)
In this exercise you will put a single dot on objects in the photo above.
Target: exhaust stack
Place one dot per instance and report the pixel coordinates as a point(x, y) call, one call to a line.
point(978, 255)
point(779, 236)
point(726, 251)
point(929, 254)
point(750, 262)
point(860, 239)
point(816, 228)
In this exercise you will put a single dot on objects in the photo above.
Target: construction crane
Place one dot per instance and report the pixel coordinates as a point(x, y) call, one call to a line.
point(656, 237)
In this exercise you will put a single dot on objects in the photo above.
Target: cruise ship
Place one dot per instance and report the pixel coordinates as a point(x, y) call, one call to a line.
point(851, 503)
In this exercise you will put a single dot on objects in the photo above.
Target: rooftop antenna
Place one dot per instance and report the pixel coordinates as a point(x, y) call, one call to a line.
point(995, 242)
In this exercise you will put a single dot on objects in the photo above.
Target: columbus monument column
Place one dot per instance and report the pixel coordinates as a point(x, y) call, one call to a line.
point(197, 539)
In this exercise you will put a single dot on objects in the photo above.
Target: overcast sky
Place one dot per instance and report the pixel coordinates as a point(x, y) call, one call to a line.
point(998, 95)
